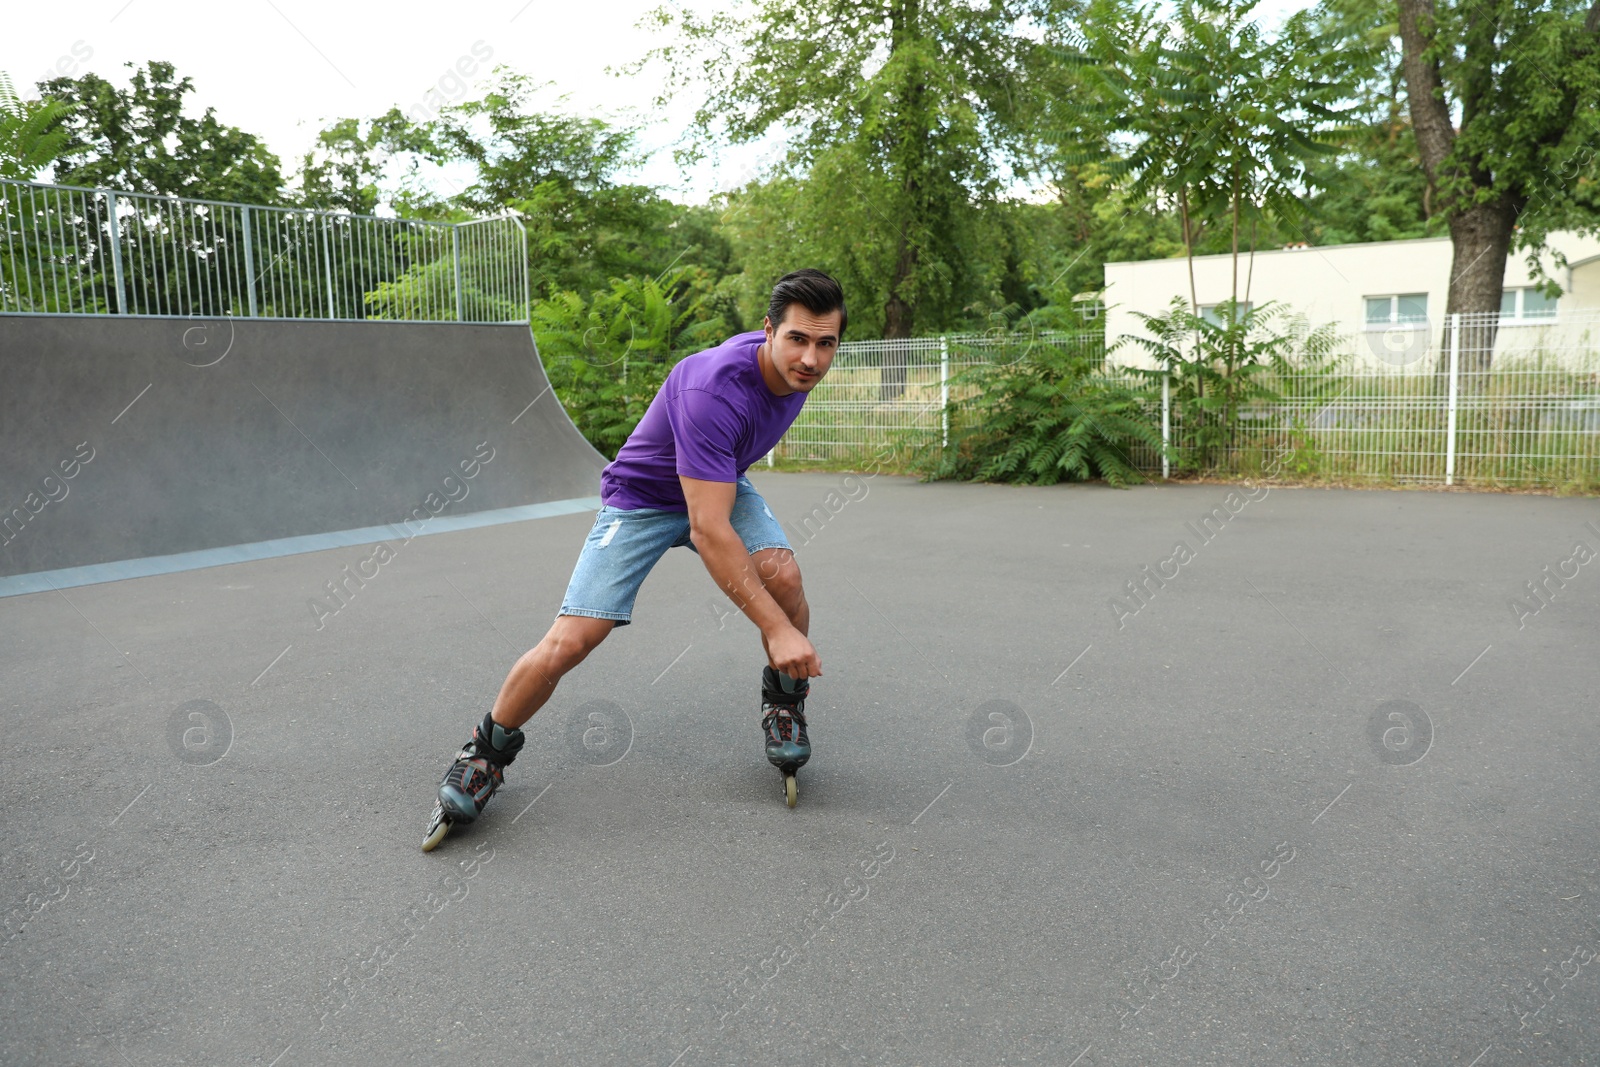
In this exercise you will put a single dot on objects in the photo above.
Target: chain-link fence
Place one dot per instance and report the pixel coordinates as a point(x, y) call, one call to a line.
point(73, 251)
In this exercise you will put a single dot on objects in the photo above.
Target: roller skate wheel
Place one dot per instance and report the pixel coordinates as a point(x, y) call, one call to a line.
point(790, 793)
point(435, 835)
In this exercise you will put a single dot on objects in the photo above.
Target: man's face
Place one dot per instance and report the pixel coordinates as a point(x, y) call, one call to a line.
point(802, 346)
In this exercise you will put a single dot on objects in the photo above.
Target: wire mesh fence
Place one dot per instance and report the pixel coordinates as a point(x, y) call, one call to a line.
point(1479, 400)
point(893, 395)
point(75, 251)
point(1484, 401)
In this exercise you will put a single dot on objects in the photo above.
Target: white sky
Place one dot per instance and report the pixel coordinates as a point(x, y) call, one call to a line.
point(279, 68)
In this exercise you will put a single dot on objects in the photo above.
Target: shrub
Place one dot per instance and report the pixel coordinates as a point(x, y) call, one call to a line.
point(1049, 417)
point(607, 356)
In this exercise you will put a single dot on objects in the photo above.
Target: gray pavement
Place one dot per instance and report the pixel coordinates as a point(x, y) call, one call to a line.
point(1320, 795)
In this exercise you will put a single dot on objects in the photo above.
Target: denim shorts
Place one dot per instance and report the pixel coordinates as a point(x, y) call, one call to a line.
point(624, 545)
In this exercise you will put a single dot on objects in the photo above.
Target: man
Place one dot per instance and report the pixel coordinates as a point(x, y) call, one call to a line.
point(679, 481)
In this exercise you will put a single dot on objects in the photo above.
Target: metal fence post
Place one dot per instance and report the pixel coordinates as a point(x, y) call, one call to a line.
point(327, 263)
point(944, 389)
point(116, 256)
point(1166, 425)
point(527, 281)
point(455, 252)
point(249, 261)
point(1450, 417)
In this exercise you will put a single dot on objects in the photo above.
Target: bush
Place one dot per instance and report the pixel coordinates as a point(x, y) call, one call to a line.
point(607, 356)
point(1218, 368)
point(1050, 417)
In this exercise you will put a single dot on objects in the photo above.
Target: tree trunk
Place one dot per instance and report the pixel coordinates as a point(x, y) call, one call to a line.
point(1481, 240)
point(899, 314)
point(1480, 234)
point(1235, 294)
point(1188, 247)
point(898, 318)
point(1250, 270)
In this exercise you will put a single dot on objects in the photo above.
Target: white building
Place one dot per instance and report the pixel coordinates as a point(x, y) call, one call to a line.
point(1388, 296)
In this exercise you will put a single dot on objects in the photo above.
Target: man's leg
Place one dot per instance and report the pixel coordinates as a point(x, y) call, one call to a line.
point(621, 549)
point(783, 699)
point(534, 676)
point(619, 552)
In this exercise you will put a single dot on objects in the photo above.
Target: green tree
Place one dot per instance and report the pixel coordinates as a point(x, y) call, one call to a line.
point(43, 250)
point(1374, 189)
point(1095, 216)
point(139, 139)
point(345, 169)
point(1505, 102)
point(585, 225)
point(1064, 245)
point(1205, 111)
point(30, 136)
point(899, 116)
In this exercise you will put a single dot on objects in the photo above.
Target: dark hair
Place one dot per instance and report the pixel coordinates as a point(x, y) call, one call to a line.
point(811, 289)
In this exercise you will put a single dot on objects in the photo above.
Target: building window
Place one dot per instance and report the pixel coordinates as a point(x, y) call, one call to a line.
point(1519, 305)
point(1088, 306)
point(1399, 308)
point(1212, 312)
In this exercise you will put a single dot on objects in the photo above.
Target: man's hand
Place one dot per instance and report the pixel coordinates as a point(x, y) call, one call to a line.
point(793, 654)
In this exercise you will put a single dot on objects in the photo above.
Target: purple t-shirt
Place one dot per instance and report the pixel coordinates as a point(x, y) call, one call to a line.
point(713, 417)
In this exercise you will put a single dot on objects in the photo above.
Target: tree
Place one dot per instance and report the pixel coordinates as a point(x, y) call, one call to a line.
point(608, 355)
point(1524, 82)
point(44, 248)
point(139, 139)
point(1205, 111)
point(823, 219)
point(1374, 189)
point(585, 226)
point(344, 171)
point(30, 137)
point(899, 115)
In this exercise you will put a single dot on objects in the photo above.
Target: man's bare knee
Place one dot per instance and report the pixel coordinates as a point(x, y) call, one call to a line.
point(780, 576)
point(573, 637)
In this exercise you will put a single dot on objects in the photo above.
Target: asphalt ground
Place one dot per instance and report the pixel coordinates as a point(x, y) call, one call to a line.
point(1320, 795)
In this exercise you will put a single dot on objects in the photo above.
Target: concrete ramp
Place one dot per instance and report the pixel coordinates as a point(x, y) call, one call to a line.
point(144, 445)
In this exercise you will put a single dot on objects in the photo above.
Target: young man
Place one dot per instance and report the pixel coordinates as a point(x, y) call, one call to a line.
point(679, 481)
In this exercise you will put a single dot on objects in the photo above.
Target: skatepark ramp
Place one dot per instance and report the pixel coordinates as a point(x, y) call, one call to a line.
point(185, 383)
point(139, 445)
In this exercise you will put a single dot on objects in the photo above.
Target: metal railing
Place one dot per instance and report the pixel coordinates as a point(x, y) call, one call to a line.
point(75, 251)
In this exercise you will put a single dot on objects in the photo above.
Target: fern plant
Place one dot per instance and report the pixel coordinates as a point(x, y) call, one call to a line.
point(31, 137)
point(1048, 418)
point(1220, 366)
point(608, 355)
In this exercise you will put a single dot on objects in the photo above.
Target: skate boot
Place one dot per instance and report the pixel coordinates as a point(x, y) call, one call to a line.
point(783, 720)
point(478, 770)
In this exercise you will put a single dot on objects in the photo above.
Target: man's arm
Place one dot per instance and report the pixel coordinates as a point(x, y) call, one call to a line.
point(723, 552)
